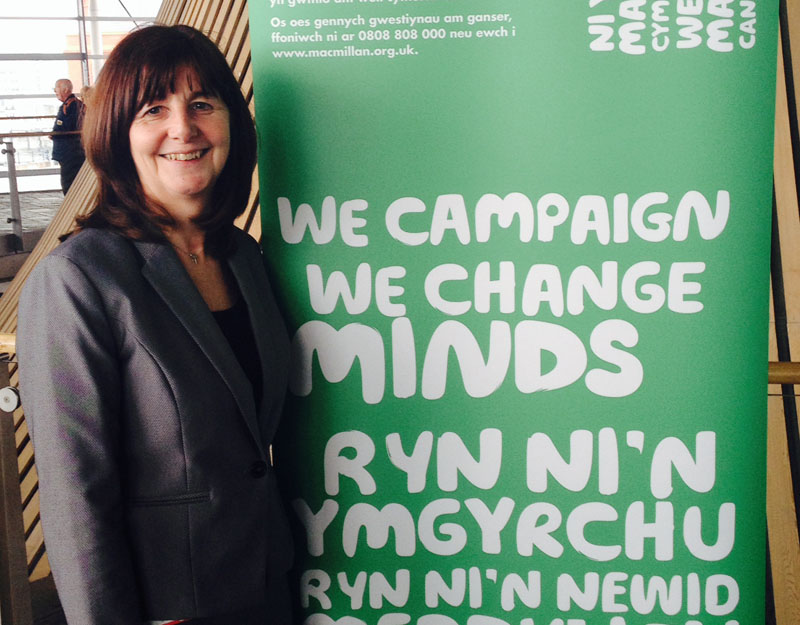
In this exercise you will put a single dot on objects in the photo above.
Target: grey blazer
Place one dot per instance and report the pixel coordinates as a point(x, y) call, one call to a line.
point(158, 499)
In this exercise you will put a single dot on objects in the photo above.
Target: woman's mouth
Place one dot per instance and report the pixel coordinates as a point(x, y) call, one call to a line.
point(185, 156)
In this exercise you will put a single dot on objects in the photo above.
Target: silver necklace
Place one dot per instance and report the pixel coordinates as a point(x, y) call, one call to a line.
point(194, 257)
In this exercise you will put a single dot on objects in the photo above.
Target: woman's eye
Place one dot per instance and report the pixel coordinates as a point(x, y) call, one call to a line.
point(153, 110)
point(201, 106)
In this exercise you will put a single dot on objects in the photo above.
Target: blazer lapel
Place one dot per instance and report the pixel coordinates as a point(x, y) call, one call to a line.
point(169, 279)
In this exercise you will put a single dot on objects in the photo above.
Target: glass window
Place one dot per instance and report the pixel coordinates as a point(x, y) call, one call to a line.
point(37, 78)
point(31, 153)
point(40, 8)
point(39, 36)
point(42, 110)
point(52, 28)
point(101, 37)
point(113, 8)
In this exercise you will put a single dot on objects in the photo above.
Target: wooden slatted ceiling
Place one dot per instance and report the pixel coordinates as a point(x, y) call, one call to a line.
point(227, 24)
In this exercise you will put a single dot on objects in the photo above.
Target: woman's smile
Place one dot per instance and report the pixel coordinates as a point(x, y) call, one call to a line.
point(179, 145)
point(185, 156)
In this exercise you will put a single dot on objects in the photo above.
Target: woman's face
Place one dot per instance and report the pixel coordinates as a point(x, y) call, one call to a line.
point(179, 146)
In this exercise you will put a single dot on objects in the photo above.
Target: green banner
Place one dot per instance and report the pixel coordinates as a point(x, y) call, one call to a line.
point(522, 248)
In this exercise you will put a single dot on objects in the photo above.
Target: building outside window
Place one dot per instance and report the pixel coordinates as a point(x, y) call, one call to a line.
point(44, 40)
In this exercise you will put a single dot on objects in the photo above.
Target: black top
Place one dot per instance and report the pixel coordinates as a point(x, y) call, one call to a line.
point(235, 325)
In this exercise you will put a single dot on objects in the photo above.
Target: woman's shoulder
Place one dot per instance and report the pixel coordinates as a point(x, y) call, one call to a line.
point(92, 252)
point(90, 241)
point(94, 248)
point(92, 265)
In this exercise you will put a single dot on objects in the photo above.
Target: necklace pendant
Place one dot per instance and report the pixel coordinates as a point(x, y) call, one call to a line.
point(193, 257)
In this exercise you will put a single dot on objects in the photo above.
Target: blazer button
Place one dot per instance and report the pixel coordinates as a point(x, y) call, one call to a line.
point(258, 469)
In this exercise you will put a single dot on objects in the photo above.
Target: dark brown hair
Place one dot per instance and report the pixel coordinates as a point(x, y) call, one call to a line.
point(142, 68)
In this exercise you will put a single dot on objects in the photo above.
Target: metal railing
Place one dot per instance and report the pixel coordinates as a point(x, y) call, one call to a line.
point(16, 212)
point(7, 142)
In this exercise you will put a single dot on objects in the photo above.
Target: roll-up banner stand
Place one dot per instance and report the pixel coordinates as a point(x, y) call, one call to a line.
point(522, 249)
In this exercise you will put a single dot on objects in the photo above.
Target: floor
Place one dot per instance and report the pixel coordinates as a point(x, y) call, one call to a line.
point(46, 608)
point(37, 208)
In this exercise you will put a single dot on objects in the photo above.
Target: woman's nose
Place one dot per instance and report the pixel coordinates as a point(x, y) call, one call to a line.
point(182, 126)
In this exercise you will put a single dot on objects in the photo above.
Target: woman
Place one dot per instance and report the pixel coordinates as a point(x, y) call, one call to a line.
point(153, 359)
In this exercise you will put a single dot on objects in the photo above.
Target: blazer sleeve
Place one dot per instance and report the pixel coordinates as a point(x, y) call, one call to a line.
point(70, 387)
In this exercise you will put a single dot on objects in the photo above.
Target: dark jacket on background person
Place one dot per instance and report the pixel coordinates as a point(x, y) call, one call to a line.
point(69, 117)
point(153, 457)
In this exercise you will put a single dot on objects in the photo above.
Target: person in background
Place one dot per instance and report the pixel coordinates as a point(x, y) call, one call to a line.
point(67, 149)
point(154, 377)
